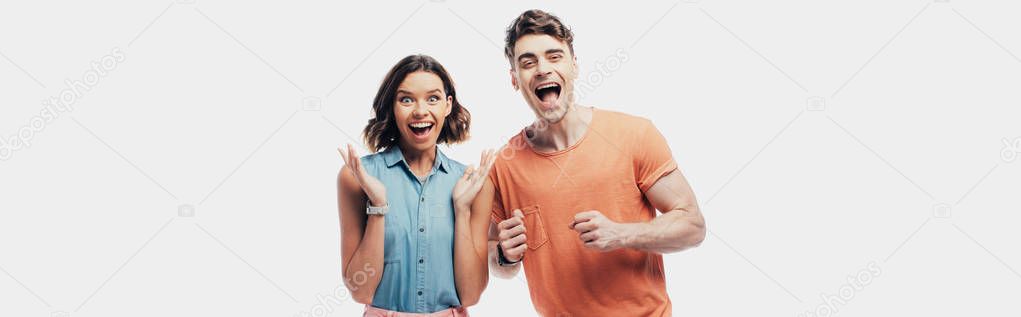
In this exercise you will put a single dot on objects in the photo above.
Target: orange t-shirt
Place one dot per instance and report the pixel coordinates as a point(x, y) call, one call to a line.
point(618, 159)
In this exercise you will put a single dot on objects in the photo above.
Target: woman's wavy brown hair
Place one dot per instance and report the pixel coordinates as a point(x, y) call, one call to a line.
point(381, 133)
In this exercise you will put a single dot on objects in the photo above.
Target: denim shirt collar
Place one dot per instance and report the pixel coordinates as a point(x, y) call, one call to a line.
point(393, 156)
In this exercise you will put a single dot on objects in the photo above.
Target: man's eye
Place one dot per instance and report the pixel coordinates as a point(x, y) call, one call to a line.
point(555, 58)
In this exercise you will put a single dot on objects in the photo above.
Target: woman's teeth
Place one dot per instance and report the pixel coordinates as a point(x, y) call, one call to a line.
point(420, 128)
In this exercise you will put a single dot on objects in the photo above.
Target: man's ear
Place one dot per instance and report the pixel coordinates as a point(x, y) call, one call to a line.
point(574, 60)
point(514, 79)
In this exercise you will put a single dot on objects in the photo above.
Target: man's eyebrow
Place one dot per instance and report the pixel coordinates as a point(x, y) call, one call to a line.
point(525, 55)
point(549, 51)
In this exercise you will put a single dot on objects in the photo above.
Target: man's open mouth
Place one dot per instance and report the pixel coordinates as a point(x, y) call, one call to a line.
point(420, 129)
point(548, 93)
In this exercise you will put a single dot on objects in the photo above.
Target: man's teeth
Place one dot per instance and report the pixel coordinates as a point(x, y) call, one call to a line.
point(547, 85)
point(421, 125)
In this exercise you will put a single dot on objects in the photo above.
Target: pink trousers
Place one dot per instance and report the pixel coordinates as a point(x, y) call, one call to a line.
point(378, 312)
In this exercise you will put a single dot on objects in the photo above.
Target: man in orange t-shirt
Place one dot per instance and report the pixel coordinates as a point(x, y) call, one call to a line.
point(574, 196)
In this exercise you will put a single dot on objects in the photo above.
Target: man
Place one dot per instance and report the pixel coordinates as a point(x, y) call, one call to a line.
point(574, 196)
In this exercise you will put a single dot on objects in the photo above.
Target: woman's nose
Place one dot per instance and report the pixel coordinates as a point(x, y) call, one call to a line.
point(420, 110)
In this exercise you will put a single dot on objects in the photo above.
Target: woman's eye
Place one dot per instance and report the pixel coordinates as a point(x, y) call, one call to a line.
point(405, 100)
point(433, 99)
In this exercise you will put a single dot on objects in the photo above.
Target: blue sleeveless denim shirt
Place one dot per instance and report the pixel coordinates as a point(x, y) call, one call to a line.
point(418, 270)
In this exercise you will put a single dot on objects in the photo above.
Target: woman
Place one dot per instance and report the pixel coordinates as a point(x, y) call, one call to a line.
point(402, 207)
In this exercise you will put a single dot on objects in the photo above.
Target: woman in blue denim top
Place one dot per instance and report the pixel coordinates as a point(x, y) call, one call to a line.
point(406, 223)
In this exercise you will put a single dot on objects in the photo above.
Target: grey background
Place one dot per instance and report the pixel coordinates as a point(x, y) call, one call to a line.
point(197, 178)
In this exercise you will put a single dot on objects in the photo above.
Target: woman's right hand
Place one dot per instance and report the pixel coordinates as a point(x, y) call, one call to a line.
point(372, 187)
point(469, 185)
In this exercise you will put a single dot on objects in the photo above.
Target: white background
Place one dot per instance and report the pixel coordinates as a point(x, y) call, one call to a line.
point(206, 111)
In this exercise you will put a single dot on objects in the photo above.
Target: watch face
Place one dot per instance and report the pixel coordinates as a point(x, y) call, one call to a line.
point(370, 210)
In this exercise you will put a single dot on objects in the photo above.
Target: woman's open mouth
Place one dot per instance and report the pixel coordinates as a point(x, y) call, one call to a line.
point(549, 94)
point(421, 130)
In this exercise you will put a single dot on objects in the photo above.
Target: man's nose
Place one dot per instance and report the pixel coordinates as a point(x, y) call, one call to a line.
point(543, 69)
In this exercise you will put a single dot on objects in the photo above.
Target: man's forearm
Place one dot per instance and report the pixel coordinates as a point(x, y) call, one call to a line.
point(672, 231)
point(498, 270)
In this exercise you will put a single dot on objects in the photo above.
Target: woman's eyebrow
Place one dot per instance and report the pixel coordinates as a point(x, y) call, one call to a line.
point(402, 91)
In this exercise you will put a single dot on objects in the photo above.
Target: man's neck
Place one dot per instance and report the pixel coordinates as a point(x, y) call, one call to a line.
point(553, 137)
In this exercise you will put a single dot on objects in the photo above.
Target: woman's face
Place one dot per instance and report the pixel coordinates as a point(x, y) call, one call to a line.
point(420, 109)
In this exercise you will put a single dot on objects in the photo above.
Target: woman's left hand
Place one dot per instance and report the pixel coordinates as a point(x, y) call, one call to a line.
point(471, 182)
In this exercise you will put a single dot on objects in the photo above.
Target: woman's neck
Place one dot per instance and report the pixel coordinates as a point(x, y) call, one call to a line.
point(420, 162)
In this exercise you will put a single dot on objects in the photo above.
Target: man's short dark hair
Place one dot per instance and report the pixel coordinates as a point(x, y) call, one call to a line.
point(536, 22)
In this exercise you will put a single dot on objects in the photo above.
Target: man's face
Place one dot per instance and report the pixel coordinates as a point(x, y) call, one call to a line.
point(544, 72)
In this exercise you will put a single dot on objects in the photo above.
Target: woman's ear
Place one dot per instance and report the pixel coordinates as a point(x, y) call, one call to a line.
point(450, 106)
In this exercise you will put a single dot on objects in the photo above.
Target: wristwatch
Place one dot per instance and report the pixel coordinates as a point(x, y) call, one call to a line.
point(370, 210)
point(502, 260)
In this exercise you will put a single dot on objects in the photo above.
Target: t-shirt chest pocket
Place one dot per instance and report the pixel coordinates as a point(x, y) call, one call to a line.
point(535, 229)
